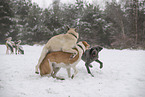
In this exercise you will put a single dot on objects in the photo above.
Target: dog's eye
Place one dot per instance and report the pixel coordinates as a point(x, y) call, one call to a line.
point(94, 53)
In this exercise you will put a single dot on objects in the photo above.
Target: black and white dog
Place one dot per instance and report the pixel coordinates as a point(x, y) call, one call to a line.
point(18, 49)
point(91, 55)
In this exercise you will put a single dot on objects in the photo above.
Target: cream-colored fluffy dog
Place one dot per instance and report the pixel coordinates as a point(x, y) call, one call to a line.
point(63, 42)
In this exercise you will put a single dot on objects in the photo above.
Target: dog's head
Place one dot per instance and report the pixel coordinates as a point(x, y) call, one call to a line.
point(95, 50)
point(17, 41)
point(9, 39)
point(73, 31)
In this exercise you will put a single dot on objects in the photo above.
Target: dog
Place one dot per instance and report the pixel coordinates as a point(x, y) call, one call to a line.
point(56, 60)
point(62, 42)
point(9, 45)
point(18, 49)
point(91, 55)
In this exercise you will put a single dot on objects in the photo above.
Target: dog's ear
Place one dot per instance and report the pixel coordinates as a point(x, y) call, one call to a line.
point(86, 44)
point(99, 48)
point(67, 27)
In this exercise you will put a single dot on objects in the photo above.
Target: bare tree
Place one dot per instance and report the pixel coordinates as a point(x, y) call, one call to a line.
point(136, 17)
point(56, 6)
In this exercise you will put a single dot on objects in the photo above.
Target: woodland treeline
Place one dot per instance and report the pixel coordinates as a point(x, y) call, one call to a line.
point(119, 25)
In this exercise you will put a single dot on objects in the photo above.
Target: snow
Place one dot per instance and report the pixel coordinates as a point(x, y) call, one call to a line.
point(123, 75)
point(46, 3)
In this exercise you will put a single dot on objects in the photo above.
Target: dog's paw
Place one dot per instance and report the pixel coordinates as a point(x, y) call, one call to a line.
point(72, 56)
point(101, 66)
point(92, 75)
point(90, 66)
point(37, 72)
point(72, 77)
point(60, 78)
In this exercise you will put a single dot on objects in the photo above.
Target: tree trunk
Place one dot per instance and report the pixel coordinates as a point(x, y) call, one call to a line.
point(122, 28)
point(136, 17)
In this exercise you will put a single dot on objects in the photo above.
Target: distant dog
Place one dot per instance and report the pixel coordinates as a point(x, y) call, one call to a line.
point(91, 55)
point(18, 48)
point(9, 45)
point(62, 42)
point(55, 60)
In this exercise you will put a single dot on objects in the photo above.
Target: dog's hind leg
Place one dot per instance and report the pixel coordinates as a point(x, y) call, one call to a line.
point(101, 64)
point(75, 72)
point(43, 54)
point(46, 67)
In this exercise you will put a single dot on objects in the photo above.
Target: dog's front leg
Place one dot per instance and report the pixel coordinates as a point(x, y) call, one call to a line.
point(7, 51)
point(101, 64)
point(74, 52)
point(56, 69)
point(75, 72)
point(88, 69)
point(90, 65)
point(68, 72)
point(16, 50)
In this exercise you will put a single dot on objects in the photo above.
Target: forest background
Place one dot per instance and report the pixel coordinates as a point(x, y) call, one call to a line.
point(119, 25)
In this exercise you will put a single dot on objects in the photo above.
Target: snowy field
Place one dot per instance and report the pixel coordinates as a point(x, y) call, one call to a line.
point(123, 75)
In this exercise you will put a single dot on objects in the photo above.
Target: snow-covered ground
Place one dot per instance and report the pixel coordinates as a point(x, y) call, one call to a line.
point(123, 75)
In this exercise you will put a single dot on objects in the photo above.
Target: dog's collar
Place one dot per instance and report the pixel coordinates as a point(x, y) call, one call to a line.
point(73, 35)
point(81, 48)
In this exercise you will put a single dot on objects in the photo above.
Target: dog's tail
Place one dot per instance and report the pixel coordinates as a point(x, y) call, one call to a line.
point(45, 67)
